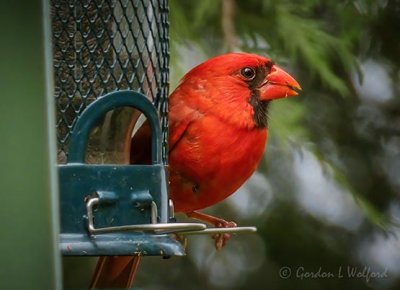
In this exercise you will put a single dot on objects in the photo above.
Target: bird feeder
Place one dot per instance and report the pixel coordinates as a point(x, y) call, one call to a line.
point(110, 61)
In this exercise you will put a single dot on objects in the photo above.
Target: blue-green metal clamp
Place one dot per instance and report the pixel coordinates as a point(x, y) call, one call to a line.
point(109, 209)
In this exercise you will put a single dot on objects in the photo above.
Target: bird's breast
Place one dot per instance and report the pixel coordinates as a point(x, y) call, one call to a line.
point(211, 161)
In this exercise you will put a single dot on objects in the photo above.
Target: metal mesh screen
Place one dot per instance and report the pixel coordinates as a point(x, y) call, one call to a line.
point(100, 46)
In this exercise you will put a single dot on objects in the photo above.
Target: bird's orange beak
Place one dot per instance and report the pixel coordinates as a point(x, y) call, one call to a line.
point(278, 84)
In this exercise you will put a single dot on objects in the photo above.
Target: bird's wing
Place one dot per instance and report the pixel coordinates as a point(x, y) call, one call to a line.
point(179, 120)
point(140, 149)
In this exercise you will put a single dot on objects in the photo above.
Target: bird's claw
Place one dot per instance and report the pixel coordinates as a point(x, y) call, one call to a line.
point(220, 239)
point(223, 238)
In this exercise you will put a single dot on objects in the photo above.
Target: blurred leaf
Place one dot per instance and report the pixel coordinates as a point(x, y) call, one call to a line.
point(304, 39)
point(286, 119)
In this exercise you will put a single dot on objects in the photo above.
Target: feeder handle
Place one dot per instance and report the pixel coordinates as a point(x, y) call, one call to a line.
point(97, 109)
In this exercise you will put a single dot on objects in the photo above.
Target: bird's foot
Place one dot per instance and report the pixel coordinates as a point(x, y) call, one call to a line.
point(220, 239)
point(223, 238)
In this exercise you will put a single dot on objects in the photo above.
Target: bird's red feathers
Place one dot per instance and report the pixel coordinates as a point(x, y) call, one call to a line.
point(215, 141)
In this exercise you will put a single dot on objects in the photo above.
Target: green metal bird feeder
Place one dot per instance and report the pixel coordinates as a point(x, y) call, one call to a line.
point(110, 62)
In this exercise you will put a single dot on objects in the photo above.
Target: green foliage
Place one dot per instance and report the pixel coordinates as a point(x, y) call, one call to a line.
point(292, 33)
point(287, 119)
point(304, 39)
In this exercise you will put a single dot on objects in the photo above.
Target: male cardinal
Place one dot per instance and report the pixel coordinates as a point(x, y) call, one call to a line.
point(217, 135)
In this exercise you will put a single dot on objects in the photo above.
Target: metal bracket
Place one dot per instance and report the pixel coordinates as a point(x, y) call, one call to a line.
point(157, 228)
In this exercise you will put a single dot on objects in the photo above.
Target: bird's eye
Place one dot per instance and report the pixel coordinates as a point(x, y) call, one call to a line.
point(248, 73)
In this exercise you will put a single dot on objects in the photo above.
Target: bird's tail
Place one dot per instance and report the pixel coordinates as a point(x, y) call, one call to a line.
point(115, 272)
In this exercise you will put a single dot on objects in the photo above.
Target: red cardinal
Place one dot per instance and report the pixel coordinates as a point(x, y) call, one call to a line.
point(218, 131)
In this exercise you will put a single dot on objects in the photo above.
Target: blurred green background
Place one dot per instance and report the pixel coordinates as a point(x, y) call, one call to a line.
point(326, 196)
